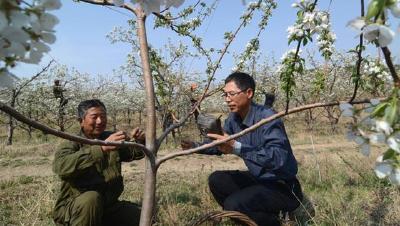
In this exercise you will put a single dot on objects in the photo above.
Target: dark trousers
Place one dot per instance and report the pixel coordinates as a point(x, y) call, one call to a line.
point(261, 201)
point(88, 210)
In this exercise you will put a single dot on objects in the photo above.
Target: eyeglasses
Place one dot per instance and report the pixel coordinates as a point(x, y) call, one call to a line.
point(231, 94)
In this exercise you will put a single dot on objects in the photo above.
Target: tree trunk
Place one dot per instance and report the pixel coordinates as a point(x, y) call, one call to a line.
point(148, 205)
point(10, 129)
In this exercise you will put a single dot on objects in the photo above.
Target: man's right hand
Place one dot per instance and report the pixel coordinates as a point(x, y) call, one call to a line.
point(117, 137)
point(187, 144)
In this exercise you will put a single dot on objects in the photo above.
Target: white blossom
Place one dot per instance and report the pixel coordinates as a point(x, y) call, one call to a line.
point(365, 149)
point(394, 142)
point(48, 21)
point(7, 80)
point(383, 169)
point(3, 21)
point(376, 138)
point(347, 109)
point(118, 2)
point(381, 33)
point(49, 4)
point(383, 126)
point(394, 177)
point(395, 9)
point(150, 6)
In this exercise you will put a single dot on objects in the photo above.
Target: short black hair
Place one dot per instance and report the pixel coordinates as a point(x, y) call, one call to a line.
point(86, 104)
point(242, 80)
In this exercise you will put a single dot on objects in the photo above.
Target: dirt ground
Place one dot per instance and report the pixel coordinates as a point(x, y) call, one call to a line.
point(41, 166)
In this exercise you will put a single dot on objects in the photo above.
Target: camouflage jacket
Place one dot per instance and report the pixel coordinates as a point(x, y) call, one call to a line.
point(83, 167)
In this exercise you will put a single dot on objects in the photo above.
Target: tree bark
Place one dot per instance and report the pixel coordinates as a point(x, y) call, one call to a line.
point(10, 129)
point(148, 204)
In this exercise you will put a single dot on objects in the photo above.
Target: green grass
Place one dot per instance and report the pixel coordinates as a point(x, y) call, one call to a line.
point(339, 181)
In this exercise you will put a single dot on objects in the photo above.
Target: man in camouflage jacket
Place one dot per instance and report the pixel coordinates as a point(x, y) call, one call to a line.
point(91, 175)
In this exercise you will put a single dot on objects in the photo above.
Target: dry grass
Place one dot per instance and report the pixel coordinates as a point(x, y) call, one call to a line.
point(339, 181)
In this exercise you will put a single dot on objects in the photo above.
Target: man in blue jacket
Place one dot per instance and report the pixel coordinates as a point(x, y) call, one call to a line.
point(270, 185)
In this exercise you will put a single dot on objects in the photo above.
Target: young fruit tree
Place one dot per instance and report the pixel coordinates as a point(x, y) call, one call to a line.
point(377, 119)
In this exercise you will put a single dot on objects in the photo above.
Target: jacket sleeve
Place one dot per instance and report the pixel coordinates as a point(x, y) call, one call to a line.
point(272, 152)
point(73, 159)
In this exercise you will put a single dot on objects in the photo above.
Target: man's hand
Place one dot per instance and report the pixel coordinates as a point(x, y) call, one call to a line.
point(118, 137)
point(187, 144)
point(138, 135)
point(227, 147)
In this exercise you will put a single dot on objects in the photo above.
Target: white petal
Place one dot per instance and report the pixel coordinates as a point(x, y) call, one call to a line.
point(41, 47)
point(48, 21)
point(359, 140)
point(386, 36)
point(350, 135)
point(15, 34)
point(150, 6)
point(371, 32)
point(395, 10)
point(377, 138)
point(365, 149)
point(50, 4)
point(176, 3)
point(383, 169)
point(49, 38)
point(3, 21)
point(357, 24)
point(344, 106)
point(17, 49)
point(347, 113)
point(7, 80)
point(383, 126)
point(19, 19)
point(395, 177)
point(118, 3)
point(394, 143)
point(375, 102)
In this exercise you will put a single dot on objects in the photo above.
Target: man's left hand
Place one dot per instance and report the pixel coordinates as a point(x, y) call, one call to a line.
point(227, 147)
point(138, 135)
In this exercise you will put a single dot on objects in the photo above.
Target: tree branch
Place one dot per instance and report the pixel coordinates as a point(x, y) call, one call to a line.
point(359, 56)
point(253, 127)
point(18, 116)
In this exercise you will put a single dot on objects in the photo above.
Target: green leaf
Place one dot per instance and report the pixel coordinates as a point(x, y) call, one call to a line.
point(389, 154)
point(374, 8)
point(379, 110)
point(391, 112)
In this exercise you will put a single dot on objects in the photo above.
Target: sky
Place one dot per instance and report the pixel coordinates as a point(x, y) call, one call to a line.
point(82, 43)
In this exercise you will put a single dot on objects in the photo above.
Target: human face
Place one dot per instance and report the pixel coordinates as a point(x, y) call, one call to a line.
point(238, 100)
point(94, 122)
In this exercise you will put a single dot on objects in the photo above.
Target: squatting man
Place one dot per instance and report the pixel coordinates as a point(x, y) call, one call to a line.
point(91, 180)
point(269, 186)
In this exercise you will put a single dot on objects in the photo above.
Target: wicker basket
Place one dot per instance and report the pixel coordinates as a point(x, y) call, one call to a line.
point(216, 216)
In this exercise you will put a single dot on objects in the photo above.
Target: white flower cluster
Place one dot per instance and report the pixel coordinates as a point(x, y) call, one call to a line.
point(377, 31)
point(376, 69)
point(150, 6)
point(312, 22)
point(376, 131)
point(286, 58)
point(326, 38)
point(25, 32)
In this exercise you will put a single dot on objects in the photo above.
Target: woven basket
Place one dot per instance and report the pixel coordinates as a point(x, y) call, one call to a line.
point(216, 216)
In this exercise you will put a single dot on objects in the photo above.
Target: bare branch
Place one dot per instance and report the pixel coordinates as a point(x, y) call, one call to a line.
point(389, 63)
point(253, 127)
point(205, 93)
point(18, 91)
point(108, 3)
point(18, 116)
point(359, 60)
